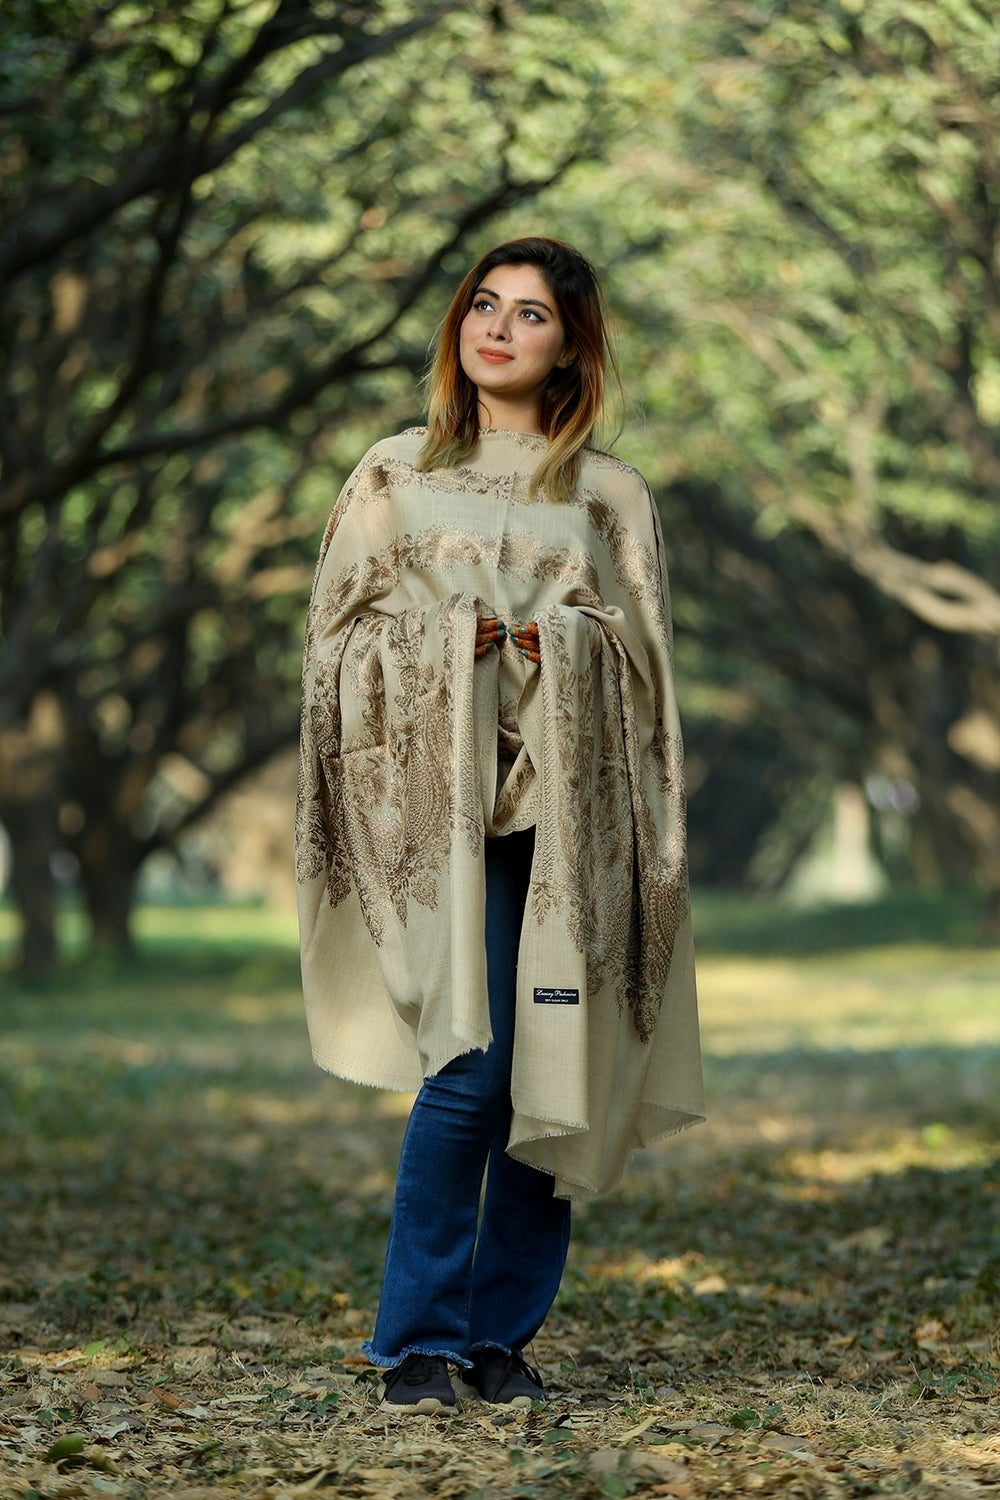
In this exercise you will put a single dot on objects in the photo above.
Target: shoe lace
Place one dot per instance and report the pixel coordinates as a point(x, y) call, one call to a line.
point(508, 1362)
point(419, 1368)
point(517, 1362)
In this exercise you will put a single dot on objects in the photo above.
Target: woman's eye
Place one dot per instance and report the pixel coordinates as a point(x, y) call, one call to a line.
point(483, 304)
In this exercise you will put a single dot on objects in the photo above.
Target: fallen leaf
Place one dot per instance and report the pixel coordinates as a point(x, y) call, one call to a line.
point(642, 1427)
point(112, 1429)
point(710, 1286)
point(787, 1442)
point(604, 1461)
point(645, 1462)
point(873, 1237)
point(69, 1446)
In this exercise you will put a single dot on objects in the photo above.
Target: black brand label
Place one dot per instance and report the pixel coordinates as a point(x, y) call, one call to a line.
point(557, 997)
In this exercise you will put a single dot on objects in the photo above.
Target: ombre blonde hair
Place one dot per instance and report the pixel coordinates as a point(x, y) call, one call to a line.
point(572, 398)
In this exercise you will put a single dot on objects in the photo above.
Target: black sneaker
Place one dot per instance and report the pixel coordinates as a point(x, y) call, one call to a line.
point(503, 1378)
point(419, 1386)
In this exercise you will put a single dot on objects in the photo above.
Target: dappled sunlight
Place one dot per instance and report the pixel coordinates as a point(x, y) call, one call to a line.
point(254, 1010)
point(127, 1050)
point(207, 1214)
point(256, 925)
point(229, 229)
point(867, 1001)
point(935, 1148)
point(685, 1272)
point(272, 1111)
point(395, 1106)
point(980, 1454)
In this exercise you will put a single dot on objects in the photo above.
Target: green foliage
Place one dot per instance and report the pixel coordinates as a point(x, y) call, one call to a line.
point(810, 306)
point(228, 232)
point(821, 189)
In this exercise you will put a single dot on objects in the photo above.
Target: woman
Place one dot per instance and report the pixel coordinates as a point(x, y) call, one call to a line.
point(491, 867)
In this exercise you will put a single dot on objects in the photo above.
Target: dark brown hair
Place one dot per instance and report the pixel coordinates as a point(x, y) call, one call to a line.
point(572, 398)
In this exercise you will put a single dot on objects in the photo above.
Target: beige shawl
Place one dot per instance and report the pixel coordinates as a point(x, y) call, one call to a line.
point(413, 752)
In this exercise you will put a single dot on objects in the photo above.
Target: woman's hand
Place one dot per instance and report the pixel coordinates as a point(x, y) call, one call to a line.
point(525, 638)
point(490, 631)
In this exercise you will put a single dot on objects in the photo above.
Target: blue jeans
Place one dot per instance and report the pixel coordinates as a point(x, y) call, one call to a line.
point(457, 1279)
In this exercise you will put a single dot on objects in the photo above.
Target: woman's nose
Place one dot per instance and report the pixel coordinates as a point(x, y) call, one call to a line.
point(498, 327)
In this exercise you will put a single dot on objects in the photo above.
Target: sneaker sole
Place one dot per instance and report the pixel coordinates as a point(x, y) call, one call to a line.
point(427, 1406)
point(469, 1393)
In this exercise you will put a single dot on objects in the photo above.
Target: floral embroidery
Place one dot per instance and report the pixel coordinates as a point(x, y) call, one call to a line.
point(603, 855)
point(389, 781)
point(397, 804)
point(438, 548)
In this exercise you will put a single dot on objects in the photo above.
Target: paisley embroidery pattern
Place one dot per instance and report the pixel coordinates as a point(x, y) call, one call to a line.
point(390, 741)
point(601, 854)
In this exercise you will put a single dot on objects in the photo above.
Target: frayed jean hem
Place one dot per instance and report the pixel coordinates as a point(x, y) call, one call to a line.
point(390, 1362)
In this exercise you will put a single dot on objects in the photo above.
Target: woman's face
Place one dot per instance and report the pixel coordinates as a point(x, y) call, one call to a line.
point(512, 337)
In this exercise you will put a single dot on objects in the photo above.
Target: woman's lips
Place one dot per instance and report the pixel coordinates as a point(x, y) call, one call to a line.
point(494, 356)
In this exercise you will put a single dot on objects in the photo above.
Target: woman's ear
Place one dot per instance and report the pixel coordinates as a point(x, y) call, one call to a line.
point(567, 357)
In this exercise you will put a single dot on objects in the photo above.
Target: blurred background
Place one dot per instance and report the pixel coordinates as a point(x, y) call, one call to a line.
point(228, 229)
point(228, 232)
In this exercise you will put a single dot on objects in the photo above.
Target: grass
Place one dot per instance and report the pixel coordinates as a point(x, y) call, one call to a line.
point(799, 1298)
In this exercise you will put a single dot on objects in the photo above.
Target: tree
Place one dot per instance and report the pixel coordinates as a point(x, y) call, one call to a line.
point(813, 321)
point(227, 224)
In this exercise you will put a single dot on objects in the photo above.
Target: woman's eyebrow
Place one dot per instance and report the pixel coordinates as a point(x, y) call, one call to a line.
point(518, 301)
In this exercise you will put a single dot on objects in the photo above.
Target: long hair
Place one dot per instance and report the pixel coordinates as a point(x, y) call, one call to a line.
point(571, 400)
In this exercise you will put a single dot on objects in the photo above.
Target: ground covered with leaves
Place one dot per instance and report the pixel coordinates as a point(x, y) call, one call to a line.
point(800, 1298)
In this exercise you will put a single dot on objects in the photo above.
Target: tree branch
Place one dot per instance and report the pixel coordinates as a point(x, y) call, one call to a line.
point(26, 250)
point(61, 477)
point(256, 754)
point(943, 594)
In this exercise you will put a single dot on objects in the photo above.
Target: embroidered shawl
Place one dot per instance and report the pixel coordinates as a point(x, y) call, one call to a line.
point(413, 753)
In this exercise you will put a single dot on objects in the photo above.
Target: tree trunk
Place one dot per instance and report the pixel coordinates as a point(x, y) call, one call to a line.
point(31, 828)
point(107, 881)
